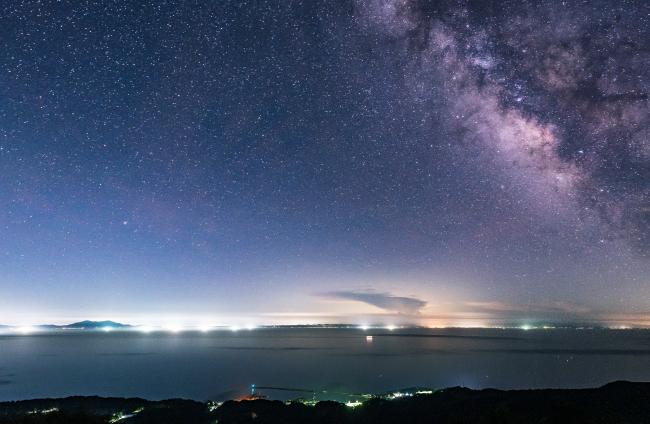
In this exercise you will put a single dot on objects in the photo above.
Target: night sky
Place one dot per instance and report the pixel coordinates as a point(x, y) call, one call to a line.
point(380, 161)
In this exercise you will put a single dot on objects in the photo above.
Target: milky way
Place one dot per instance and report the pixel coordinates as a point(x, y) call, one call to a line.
point(452, 163)
point(555, 94)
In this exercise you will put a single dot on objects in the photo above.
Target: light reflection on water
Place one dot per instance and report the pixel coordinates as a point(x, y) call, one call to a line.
point(223, 364)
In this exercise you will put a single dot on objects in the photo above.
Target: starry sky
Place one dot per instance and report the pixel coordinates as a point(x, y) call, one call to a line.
point(363, 161)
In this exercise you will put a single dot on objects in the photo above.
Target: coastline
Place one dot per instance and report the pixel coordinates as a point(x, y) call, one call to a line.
point(620, 401)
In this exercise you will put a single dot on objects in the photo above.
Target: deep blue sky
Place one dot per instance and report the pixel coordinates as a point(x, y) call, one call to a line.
point(446, 163)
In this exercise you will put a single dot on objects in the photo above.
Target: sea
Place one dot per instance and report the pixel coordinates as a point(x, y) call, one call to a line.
point(313, 363)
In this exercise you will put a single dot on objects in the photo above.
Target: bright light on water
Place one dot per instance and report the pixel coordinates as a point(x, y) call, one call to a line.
point(174, 328)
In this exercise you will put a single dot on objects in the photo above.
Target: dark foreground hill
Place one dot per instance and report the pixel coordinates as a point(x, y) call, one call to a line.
point(620, 402)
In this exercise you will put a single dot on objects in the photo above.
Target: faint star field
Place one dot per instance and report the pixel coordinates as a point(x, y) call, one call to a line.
point(405, 160)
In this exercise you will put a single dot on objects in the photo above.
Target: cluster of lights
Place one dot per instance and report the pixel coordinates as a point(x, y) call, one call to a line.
point(249, 327)
point(170, 327)
point(43, 411)
point(366, 327)
point(120, 416)
point(398, 395)
point(213, 406)
point(23, 330)
point(353, 404)
point(178, 328)
point(390, 396)
point(175, 327)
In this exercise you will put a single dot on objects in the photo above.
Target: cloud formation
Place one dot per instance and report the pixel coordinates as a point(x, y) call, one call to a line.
point(388, 302)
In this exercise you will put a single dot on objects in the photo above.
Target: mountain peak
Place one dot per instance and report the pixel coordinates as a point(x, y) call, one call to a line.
point(88, 324)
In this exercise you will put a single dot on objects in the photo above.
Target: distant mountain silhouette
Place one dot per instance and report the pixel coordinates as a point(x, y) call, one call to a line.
point(91, 325)
point(81, 325)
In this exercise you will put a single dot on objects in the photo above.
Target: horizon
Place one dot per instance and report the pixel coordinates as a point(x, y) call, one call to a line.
point(174, 326)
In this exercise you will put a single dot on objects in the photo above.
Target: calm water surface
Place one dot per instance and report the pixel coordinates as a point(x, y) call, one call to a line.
point(223, 364)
